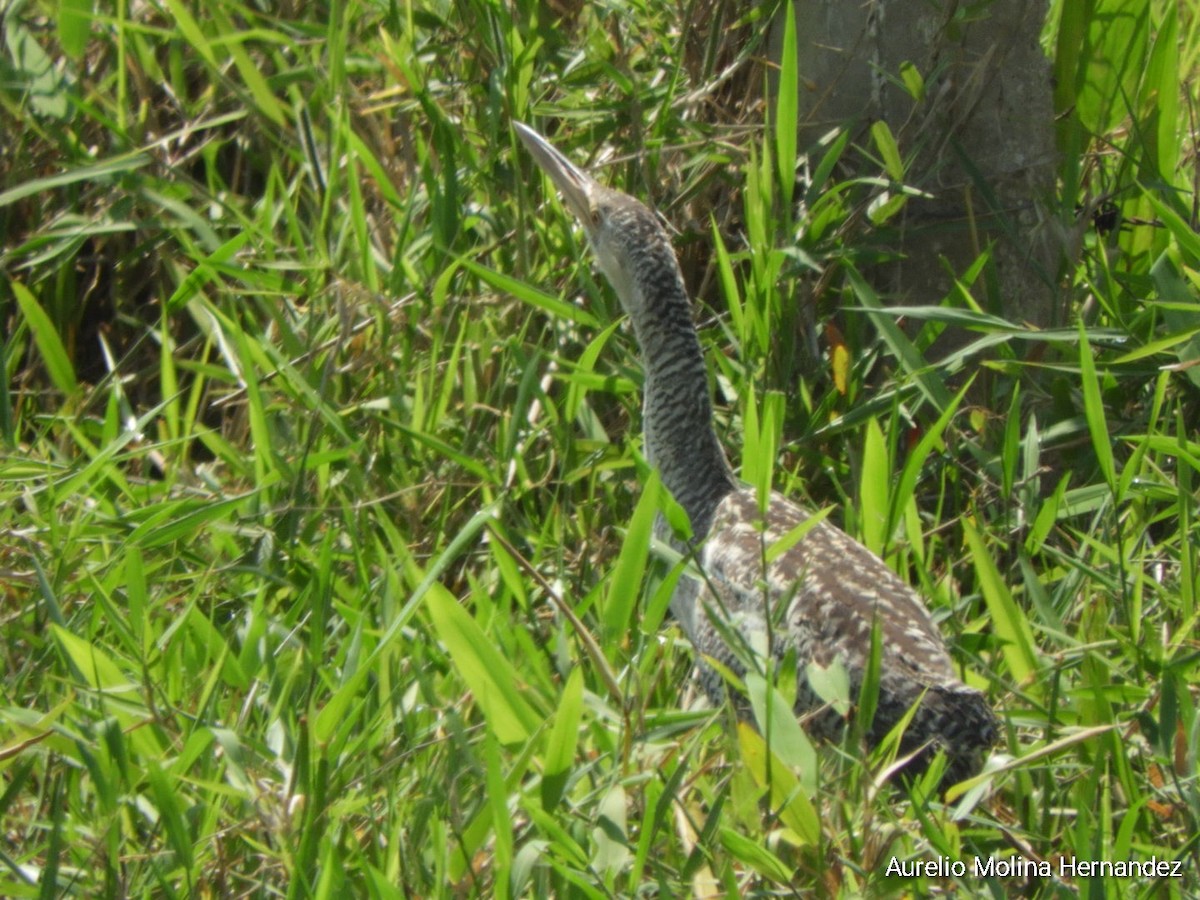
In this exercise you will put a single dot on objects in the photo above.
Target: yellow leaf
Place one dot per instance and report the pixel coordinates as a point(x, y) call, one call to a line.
point(839, 358)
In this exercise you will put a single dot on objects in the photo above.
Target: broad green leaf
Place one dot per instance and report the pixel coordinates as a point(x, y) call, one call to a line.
point(488, 674)
point(349, 692)
point(1093, 407)
point(625, 583)
point(1010, 448)
point(562, 740)
point(1178, 228)
point(908, 355)
point(1046, 517)
point(910, 76)
point(868, 693)
point(444, 449)
point(98, 669)
point(611, 834)
point(1008, 620)
point(498, 810)
point(568, 312)
point(1180, 309)
point(94, 665)
point(206, 635)
point(975, 320)
point(43, 83)
point(181, 519)
point(787, 108)
point(729, 285)
point(48, 340)
point(763, 430)
point(885, 205)
point(264, 98)
point(74, 26)
point(207, 270)
point(831, 684)
point(754, 854)
point(136, 594)
point(831, 158)
point(187, 25)
point(886, 144)
point(1111, 63)
point(776, 717)
point(905, 488)
point(1161, 345)
point(787, 798)
point(580, 381)
point(171, 814)
point(100, 171)
point(752, 454)
point(873, 490)
point(1159, 100)
point(560, 838)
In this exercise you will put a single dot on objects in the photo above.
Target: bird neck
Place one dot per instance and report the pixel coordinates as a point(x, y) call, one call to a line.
point(680, 440)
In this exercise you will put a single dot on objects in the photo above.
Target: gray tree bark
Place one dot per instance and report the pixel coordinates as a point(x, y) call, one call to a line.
point(982, 135)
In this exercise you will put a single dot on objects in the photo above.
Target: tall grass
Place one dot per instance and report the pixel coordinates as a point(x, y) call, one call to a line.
point(325, 523)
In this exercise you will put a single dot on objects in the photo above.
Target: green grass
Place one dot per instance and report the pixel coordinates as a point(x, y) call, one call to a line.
point(324, 565)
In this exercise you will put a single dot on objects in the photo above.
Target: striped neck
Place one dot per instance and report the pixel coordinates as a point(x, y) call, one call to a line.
point(677, 409)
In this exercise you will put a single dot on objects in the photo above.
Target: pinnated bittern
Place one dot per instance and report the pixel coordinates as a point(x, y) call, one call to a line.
point(821, 598)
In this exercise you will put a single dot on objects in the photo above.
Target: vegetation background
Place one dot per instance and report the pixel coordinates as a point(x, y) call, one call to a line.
point(324, 565)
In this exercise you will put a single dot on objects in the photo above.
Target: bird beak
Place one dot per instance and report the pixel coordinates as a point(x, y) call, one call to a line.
point(576, 186)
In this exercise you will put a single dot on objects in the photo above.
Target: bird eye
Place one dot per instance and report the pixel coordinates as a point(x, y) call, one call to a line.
point(595, 216)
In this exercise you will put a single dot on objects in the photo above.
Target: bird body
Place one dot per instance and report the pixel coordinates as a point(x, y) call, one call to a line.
point(823, 596)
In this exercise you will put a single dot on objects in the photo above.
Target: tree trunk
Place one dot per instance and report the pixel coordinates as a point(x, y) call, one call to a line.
point(980, 136)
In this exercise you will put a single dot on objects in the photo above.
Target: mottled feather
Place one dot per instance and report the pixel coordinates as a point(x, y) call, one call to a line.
point(823, 596)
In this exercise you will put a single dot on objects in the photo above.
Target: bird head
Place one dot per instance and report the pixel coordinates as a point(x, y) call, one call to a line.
point(630, 245)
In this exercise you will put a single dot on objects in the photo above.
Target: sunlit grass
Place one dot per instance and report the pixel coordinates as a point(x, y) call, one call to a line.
point(325, 562)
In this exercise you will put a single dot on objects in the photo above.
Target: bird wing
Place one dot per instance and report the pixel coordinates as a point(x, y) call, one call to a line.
point(770, 584)
point(824, 593)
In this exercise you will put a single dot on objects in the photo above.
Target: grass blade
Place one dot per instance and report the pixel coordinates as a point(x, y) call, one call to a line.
point(531, 296)
point(873, 490)
point(1009, 622)
point(625, 583)
point(787, 109)
point(787, 797)
point(1093, 407)
point(47, 339)
point(488, 674)
point(562, 741)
